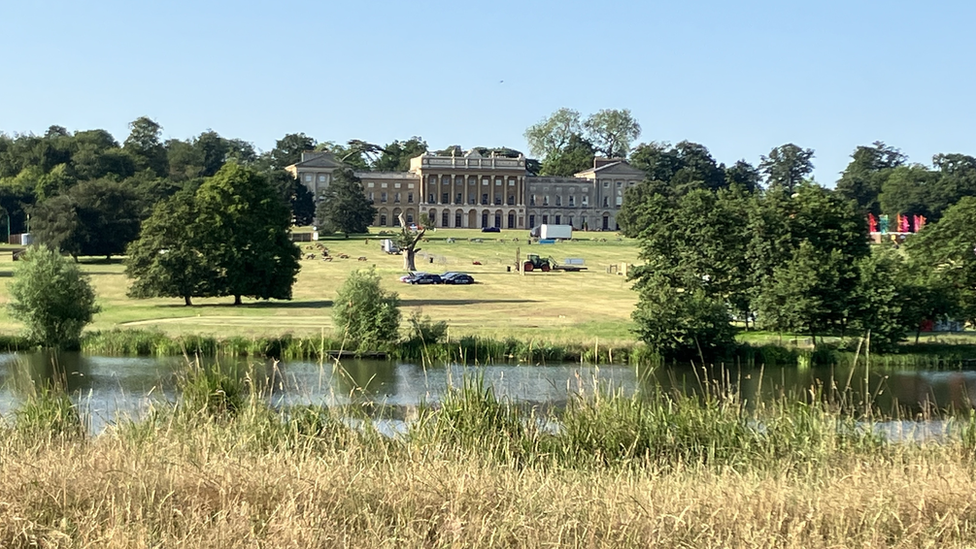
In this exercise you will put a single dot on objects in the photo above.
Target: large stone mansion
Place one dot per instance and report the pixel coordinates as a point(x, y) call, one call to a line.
point(473, 191)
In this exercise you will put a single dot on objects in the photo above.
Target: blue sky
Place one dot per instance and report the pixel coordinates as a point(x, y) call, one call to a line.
point(737, 77)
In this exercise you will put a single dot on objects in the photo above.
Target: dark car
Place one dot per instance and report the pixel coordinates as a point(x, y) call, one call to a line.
point(421, 278)
point(490, 230)
point(457, 278)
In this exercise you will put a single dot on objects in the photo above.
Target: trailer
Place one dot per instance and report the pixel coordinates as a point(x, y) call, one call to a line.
point(555, 232)
point(552, 232)
point(389, 246)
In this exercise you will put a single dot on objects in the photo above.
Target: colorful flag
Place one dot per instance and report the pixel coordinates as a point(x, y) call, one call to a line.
point(872, 223)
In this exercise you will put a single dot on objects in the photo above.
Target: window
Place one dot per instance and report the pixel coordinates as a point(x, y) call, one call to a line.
point(457, 219)
point(498, 183)
point(545, 219)
point(511, 200)
point(409, 218)
point(606, 201)
point(572, 200)
point(445, 218)
point(557, 220)
point(532, 200)
point(371, 198)
point(586, 201)
point(511, 220)
point(511, 183)
point(498, 200)
point(430, 198)
point(370, 184)
point(472, 199)
point(531, 220)
point(445, 198)
point(382, 220)
point(620, 200)
point(396, 185)
point(396, 198)
point(545, 200)
point(559, 201)
point(606, 184)
point(383, 197)
point(619, 184)
point(458, 199)
point(308, 178)
point(383, 185)
point(322, 178)
point(409, 198)
point(569, 220)
point(484, 198)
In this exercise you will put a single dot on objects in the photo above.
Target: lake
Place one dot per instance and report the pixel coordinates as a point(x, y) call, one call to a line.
point(109, 387)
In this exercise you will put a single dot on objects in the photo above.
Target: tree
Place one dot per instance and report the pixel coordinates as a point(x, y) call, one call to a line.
point(408, 239)
point(344, 207)
point(228, 237)
point(52, 297)
point(576, 156)
point(288, 150)
point(881, 298)
point(742, 174)
point(144, 146)
point(786, 166)
point(56, 225)
point(245, 230)
point(810, 293)
point(168, 259)
point(96, 217)
point(612, 131)
point(550, 136)
point(364, 312)
point(396, 156)
point(913, 190)
point(864, 177)
point(948, 250)
point(682, 324)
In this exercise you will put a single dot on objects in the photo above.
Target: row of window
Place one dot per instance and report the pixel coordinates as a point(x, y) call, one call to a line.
point(383, 197)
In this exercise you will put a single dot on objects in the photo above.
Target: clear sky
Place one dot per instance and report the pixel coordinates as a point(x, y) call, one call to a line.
point(738, 77)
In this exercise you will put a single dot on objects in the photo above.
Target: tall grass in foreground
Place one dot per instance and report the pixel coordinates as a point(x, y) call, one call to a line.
point(478, 471)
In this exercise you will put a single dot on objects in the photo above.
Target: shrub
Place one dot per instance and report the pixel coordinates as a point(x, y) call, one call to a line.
point(52, 297)
point(364, 312)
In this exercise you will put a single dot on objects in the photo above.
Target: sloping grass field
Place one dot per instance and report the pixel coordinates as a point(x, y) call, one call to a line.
point(557, 306)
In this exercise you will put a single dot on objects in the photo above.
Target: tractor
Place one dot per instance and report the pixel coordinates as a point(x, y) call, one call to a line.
point(535, 263)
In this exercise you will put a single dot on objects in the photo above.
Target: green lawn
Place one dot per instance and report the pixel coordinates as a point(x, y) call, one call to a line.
point(560, 307)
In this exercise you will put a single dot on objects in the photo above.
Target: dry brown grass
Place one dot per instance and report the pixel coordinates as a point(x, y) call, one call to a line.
point(207, 488)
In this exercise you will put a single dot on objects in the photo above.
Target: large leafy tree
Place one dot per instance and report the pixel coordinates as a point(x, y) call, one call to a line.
point(948, 248)
point(233, 240)
point(694, 271)
point(576, 156)
point(612, 131)
point(169, 259)
point(864, 177)
point(396, 156)
point(288, 150)
point(144, 146)
point(550, 136)
point(97, 217)
point(344, 207)
point(246, 236)
point(786, 166)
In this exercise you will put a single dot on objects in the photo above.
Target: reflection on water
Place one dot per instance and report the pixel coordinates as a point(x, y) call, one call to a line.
point(110, 387)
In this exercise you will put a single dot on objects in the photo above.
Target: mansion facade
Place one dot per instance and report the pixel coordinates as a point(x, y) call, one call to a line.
point(474, 191)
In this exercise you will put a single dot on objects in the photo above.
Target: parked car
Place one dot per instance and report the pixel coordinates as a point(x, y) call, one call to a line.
point(456, 278)
point(421, 278)
point(490, 230)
